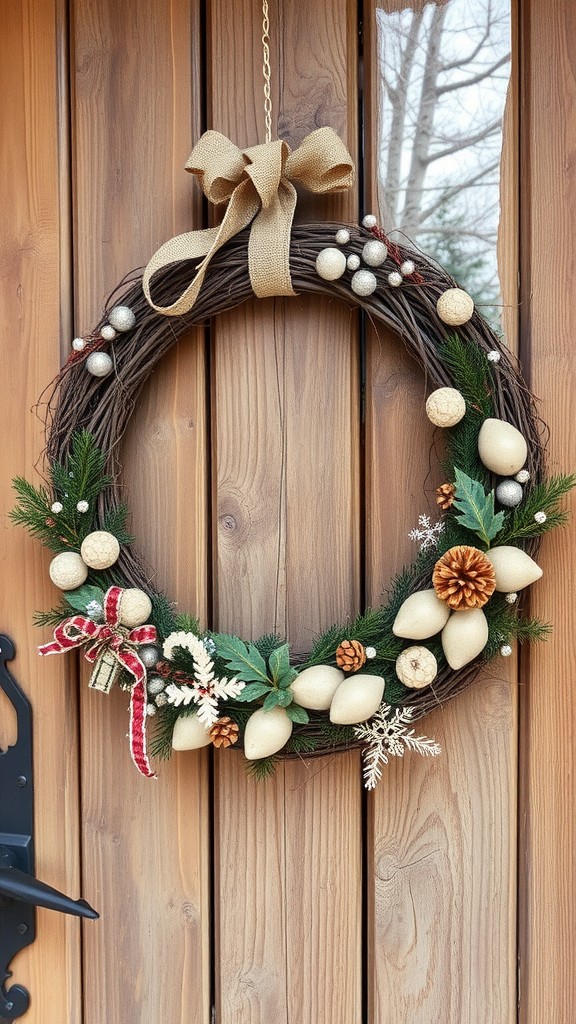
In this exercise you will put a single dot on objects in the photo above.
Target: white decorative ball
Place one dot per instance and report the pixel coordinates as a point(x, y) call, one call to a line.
point(342, 236)
point(100, 549)
point(511, 598)
point(353, 262)
point(540, 517)
point(154, 684)
point(369, 221)
point(523, 476)
point(445, 407)
point(407, 268)
point(364, 282)
point(374, 253)
point(56, 507)
point(78, 344)
point(509, 493)
point(107, 332)
point(330, 264)
point(455, 307)
point(82, 506)
point(122, 318)
point(67, 570)
point(395, 279)
point(135, 608)
point(99, 364)
point(416, 667)
point(505, 650)
point(371, 653)
point(494, 356)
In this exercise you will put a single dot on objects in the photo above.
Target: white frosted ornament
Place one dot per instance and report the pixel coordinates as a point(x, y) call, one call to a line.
point(78, 344)
point(315, 687)
point(330, 264)
point(445, 407)
point(364, 282)
point(342, 236)
point(99, 364)
point(107, 332)
point(149, 655)
point(122, 318)
point(523, 476)
point(67, 570)
point(455, 307)
point(416, 667)
point(189, 733)
point(407, 268)
point(420, 616)
point(501, 447)
point(464, 637)
point(395, 279)
point(514, 569)
point(353, 261)
point(374, 253)
point(100, 549)
point(369, 221)
point(135, 607)
point(56, 507)
point(509, 493)
point(266, 733)
point(540, 518)
point(356, 699)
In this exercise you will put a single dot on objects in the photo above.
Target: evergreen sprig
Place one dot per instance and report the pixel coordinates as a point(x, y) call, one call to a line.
point(545, 497)
point(471, 373)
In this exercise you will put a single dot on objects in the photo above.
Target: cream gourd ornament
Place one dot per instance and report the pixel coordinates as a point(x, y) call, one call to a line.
point(135, 608)
point(464, 637)
point(356, 699)
point(501, 447)
point(455, 307)
point(315, 687)
point(514, 569)
point(266, 733)
point(445, 407)
point(67, 570)
point(420, 616)
point(189, 733)
point(100, 549)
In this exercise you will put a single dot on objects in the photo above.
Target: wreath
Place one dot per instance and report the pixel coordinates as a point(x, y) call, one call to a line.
point(456, 607)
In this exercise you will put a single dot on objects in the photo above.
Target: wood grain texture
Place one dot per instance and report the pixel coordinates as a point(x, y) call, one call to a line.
point(286, 444)
point(136, 90)
point(441, 845)
point(34, 266)
point(548, 715)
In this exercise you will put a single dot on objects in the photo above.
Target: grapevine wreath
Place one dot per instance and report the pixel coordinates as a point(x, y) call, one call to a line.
point(456, 607)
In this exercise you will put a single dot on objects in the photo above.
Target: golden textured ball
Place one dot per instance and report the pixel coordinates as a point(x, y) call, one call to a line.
point(464, 578)
point(416, 667)
point(67, 570)
point(100, 549)
point(455, 307)
point(445, 407)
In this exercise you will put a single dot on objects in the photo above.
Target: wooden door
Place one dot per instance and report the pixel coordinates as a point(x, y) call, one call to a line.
point(263, 493)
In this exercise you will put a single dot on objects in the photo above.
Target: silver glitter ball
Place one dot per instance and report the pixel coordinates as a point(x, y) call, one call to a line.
point(107, 332)
point(364, 282)
point(150, 710)
point(353, 262)
point(505, 650)
point(540, 517)
point(494, 356)
point(509, 493)
point(407, 268)
point(342, 236)
point(523, 476)
point(512, 597)
point(78, 344)
point(155, 685)
point(99, 364)
point(95, 611)
point(149, 655)
point(394, 279)
point(369, 221)
point(122, 318)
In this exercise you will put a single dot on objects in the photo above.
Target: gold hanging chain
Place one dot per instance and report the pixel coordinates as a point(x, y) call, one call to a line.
point(266, 70)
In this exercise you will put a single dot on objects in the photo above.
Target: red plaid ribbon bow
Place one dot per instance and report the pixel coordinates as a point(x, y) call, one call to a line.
point(80, 631)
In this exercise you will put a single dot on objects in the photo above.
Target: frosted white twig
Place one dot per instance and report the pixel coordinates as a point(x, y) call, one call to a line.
point(428, 532)
point(387, 735)
point(204, 689)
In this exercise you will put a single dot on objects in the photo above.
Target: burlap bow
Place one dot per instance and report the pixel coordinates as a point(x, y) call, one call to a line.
point(258, 184)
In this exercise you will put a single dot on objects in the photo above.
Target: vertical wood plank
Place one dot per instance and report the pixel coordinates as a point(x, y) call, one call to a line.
point(442, 834)
point(146, 844)
point(34, 260)
point(548, 715)
point(286, 443)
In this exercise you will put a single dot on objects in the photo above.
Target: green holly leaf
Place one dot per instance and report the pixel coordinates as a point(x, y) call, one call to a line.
point(297, 714)
point(279, 662)
point(253, 691)
point(80, 598)
point(284, 698)
point(243, 659)
point(272, 700)
point(476, 508)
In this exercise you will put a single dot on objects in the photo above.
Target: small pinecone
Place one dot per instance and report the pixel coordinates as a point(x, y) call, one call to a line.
point(464, 578)
point(350, 655)
point(445, 495)
point(224, 732)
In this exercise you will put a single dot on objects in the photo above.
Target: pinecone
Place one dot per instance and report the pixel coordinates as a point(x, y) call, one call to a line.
point(464, 578)
point(445, 495)
point(350, 655)
point(224, 732)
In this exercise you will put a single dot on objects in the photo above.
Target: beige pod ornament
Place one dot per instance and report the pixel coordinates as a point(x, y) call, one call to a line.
point(68, 570)
point(315, 687)
point(356, 699)
point(189, 733)
point(464, 636)
point(135, 607)
point(514, 569)
point(420, 616)
point(501, 447)
point(266, 733)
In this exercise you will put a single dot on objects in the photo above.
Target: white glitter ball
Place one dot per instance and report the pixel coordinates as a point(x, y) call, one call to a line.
point(353, 262)
point(407, 268)
point(512, 597)
point(364, 282)
point(394, 279)
point(342, 236)
point(330, 264)
point(540, 517)
point(99, 364)
point(122, 318)
point(494, 356)
point(370, 652)
point(82, 506)
point(505, 650)
point(374, 253)
point(523, 476)
point(78, 344)
point(56, 507)
point(107, 332)
point(369, 221)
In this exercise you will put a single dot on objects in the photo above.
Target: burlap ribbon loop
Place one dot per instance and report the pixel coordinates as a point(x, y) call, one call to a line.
point(257, 184)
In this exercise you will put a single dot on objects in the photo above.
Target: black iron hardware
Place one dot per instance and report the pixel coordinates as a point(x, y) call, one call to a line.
point(20, 891)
